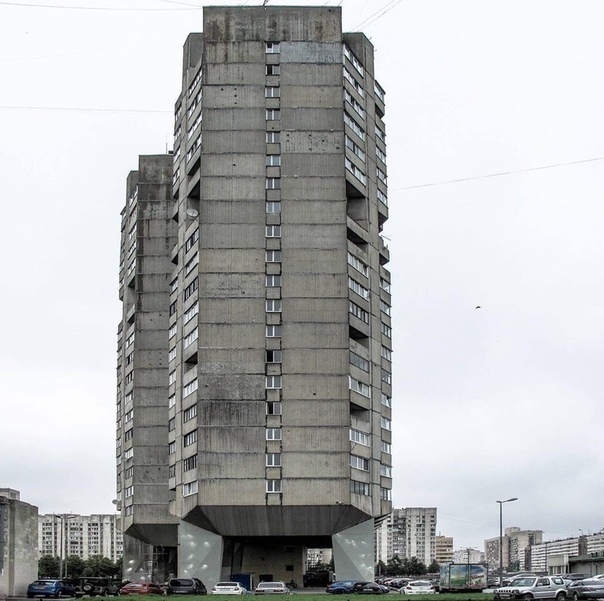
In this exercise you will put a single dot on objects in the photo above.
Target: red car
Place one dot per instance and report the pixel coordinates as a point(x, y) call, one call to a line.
point(141, 588)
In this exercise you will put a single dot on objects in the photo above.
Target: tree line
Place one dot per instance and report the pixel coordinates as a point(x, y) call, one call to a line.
point(408, 566)
point(76, 567)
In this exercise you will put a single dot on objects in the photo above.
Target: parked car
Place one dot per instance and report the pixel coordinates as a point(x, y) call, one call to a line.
point(533, 587)
point(186, 586)
point(342, 586)
point(585, 589)
point(141, 588)
point(271, 588)
point(372, 588)
point(228, 588)
point(50, 588)
point(418, 587)
point(95, 586)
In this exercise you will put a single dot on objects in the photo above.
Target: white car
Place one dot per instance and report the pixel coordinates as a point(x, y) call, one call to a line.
point(418, 587)
point(271, 588)
point(228, 588)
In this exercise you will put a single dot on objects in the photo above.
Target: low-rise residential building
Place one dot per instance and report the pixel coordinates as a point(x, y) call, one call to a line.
point(18, 544)
point(62, 535)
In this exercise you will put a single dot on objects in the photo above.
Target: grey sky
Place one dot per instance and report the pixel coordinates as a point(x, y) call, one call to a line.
point(490, 403)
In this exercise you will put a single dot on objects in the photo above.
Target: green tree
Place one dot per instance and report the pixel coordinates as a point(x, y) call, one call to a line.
point(98, 565)
point(413, 567)
point(380, 568)
point(74, 566)
point(394, 567)
point(433, 568)
point(48, 567)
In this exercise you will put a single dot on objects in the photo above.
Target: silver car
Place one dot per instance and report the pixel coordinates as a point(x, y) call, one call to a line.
point(533, 587)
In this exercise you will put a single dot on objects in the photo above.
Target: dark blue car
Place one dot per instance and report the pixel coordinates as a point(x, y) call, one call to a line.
point(342, 586)
point(50, 588)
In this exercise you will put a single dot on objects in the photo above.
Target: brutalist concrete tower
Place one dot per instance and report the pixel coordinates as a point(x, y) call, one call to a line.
point(278, 335)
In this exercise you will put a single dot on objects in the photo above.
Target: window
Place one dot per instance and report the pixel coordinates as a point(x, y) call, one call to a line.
point(273, 256)
point(190, 338)
point(359, 361)
point(172, 331)
point(354, 126)
point(190, 388)
point(273, 114)
point(128, 434)
point(128, 416)
point(273, 459)
point(273, 70)
point(386, 471)
point(359, 463)
point(380, 154)
point(191, 288)
point(273, 137)
point(172, 354)
point(273, 434)
point(172, 377)
point(273, 160)
point(386, 424)
point(358, 288)
point(358, 312)
point(190, 438)
point(172, 447)
point(354, 104)
point(359, 387)
point(129, 340)
point(385, 494)
point(129, 377)
point(273, 281)
point(273, 408)
point(191, 312)
point(273, 331)
point(273, 206)
point(171, 424)
point(380, 134)
point(353, 82)
point(189, 413)
point(382, 197)
point(355, 171)
point(272, 92)
point(273, 48)
point(359, 437)
point(273, 306)
point(129, 358)
point(386, 353)
point(171, 471)
point(273, 183)
point(358, 264)
point(386, 377)
point(190, 463)
point(191, 240)
point(171, 400)
point(385, 285)
point(273, 382)
point(386, 330)
point(190, 488)
point(381, 175)
point(128, 492)
point(359, 488)
point(355, 148)
point(191, 263)
point(273, 486)
point(354, 60)
point(386, 447)
point(386, 400)
point(273, 356)
point(172, 309)
point(173, 285)
point(273, 231)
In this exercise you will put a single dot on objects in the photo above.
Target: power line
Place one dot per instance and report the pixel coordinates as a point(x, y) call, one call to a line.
point(501, 173)
point(106, 8)
point(380, 13)
point(81, 109)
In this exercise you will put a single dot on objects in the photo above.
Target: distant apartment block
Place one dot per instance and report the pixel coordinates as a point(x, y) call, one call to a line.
point(584, 554)
point(62, 535)
point(414, 533)
point(18, 544)
point(443, 549)
point(383, 540)
point(468, 555)
point(515, 544)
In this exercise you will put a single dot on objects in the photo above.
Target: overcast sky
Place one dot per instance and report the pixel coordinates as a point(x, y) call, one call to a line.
point(490, 403)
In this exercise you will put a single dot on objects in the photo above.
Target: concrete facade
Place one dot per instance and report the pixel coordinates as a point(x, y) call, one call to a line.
point(81, 535)
point(584, 554)
point(414, 533)
point(275, 428)
point(18, 544)
point(515, 544)
point(443, 549)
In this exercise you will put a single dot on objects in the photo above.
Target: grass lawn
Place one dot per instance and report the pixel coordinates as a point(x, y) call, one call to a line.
point(325, 597)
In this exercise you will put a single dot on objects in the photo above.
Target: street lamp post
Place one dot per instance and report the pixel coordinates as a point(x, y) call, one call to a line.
point(62, 542)
point(501, 537)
